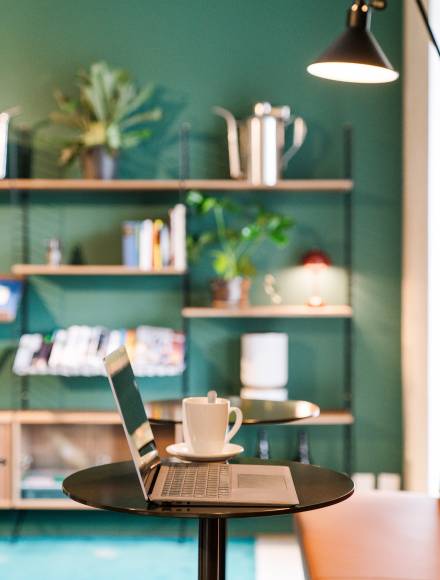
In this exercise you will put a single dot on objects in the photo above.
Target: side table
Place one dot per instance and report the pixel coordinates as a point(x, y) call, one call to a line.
point(255, 412)
point(115, 487)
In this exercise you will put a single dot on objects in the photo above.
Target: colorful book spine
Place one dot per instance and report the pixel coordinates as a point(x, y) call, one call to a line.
point(146, 245)
point(157, 255)
point(130, 255)
point(178, 236)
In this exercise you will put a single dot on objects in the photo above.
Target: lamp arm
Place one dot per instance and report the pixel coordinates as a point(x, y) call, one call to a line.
point(425, 19)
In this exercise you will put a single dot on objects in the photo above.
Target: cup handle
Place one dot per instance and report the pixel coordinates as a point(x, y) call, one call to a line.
point(237, 424)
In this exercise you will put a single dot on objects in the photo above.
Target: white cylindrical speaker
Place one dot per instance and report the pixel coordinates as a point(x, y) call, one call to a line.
point(264, 360)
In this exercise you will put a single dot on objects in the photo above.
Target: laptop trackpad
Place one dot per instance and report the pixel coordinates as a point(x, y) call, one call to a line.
point(253, 481)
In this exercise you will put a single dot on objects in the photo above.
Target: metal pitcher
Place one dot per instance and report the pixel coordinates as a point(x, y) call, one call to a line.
point(256, 145)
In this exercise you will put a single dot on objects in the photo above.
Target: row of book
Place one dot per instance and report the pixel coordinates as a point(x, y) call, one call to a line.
point(79, 350)
point(154, 244)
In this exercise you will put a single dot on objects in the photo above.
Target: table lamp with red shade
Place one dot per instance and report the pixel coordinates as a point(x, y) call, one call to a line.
point(316, 261)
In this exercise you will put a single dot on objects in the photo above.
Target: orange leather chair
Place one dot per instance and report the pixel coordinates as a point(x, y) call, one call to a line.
point(373, 536)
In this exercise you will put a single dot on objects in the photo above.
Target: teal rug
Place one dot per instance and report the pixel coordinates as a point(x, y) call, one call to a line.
point(115, 559)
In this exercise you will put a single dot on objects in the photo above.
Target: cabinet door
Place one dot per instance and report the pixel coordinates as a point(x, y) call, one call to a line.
point(5, 465)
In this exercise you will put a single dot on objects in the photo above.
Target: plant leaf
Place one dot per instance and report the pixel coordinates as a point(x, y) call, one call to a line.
point(135, 102)
point(194, 199)
point(152, 115)
point(133, 138)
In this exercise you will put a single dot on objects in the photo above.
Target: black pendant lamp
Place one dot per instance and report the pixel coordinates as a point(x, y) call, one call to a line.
point(356, 57)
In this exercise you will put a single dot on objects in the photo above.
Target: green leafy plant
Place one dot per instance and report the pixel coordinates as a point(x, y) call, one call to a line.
point(232, 246)
point(108, 112)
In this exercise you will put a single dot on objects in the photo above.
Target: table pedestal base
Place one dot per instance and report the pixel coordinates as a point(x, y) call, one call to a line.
point(212, 548)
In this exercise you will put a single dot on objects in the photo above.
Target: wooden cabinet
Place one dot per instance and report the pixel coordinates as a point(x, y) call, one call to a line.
point(5, 459)
point(38, 449)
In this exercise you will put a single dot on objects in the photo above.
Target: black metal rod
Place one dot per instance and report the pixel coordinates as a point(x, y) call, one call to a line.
point(348, 324)
point(186, 282)
point(212, 549)
point(425, 19)
point(24, 314)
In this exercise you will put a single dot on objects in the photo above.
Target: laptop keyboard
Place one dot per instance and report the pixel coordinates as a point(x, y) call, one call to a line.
point(210, 480)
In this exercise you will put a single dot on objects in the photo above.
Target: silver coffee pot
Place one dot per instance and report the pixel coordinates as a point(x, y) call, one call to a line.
point(256, 145)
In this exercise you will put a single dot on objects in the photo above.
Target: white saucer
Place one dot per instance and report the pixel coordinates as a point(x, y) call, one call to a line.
point(181, 451)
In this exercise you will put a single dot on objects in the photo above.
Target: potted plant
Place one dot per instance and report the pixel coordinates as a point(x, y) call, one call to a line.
point(237, 231)
point(108, 115)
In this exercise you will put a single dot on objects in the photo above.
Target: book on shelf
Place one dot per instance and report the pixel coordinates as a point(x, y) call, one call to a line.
point(10, 295)
point(79, 350)
point(154, 244)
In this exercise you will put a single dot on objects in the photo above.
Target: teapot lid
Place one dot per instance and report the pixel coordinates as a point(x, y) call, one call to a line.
point(265, 108)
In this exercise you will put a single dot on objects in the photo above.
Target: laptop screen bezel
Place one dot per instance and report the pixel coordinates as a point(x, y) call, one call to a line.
point(115, 363)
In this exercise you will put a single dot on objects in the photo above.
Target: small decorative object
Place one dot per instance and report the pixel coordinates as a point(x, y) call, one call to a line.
point(303, 451)
point(107, 116)
point(77, 256)
point(237, 232)
point(270, 287)
point(316, 261)
point(256, 145)
point(53, 253)
point(264, 366)
point(263, 446)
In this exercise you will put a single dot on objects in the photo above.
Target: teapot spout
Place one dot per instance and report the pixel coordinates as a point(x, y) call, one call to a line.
point(233, 142)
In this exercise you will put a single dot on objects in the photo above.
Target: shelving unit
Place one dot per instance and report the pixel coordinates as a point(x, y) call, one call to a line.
point(20, 191)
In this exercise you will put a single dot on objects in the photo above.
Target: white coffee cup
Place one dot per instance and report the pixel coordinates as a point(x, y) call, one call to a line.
point(205, 424)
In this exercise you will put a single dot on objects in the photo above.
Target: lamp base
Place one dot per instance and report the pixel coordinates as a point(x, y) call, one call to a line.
point(315, 301)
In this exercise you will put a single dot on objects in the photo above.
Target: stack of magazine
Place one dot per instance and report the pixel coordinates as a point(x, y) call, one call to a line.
point(153, 245)
point(79, 350)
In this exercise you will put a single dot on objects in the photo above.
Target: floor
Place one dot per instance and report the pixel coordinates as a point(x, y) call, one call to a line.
point(265, 558)
point(278, 557)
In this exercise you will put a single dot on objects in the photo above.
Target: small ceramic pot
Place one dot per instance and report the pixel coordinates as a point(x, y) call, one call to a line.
point(230, 293)
point(98, 163)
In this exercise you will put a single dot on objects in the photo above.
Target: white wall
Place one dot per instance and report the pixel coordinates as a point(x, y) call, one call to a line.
point(421, 258)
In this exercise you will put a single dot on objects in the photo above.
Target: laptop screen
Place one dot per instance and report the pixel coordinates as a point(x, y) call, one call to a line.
point(131, 408)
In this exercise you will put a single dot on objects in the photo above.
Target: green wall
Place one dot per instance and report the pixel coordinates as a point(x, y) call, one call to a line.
point(202, 54)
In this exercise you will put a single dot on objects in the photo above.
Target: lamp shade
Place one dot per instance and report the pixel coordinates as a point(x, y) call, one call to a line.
point(316, 259)
point(355, 57)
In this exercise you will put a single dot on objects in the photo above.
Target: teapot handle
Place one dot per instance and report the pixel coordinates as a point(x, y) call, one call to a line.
point(299, 135)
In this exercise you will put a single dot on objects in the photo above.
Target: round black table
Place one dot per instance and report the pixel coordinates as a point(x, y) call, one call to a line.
point(255, 412)
point(116, 487)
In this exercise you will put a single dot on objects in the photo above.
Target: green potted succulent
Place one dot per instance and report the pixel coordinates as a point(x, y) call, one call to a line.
point(232, 238)
point(108, 115)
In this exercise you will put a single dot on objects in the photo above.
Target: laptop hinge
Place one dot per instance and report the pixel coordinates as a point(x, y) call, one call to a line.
point(150, 476)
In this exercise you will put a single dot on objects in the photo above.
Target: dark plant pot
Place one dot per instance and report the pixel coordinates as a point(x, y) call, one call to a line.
point(230, 293)
point(98, 163)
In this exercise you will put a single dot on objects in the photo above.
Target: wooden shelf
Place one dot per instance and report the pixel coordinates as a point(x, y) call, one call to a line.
point(66, 417)
point(299, 185)
point(290, 311)
point(48, 504)
point(99, 270)
point(331, 417)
